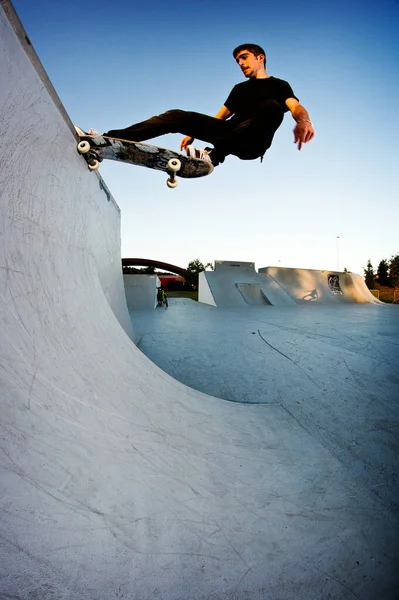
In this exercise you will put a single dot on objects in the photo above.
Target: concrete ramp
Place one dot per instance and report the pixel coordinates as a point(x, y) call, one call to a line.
point(234, 284)
point(117, 481)
point(252, 294)
point(308, 285)
point(141, 291)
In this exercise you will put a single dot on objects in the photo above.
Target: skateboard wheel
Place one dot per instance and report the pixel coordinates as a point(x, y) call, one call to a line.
point(171, 183)
point(93, 165)
point(83, 147)
point(174, 165)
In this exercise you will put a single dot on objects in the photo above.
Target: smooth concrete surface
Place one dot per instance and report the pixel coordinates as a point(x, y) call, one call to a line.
point(252, 294)
point(117, 481)
point(334, 369)
point(141, 291)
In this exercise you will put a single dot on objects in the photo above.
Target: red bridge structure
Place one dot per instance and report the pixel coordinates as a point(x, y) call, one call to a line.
point(157, 264)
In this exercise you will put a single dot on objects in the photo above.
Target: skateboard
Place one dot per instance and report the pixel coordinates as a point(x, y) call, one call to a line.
point(95, 149)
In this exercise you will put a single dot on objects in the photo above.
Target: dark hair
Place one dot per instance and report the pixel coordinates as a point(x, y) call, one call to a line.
point(254, 48)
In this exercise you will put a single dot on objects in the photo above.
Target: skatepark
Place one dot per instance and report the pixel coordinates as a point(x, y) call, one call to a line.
point(242, 447)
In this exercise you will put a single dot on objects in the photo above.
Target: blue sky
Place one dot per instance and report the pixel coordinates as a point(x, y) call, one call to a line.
point(116, 63)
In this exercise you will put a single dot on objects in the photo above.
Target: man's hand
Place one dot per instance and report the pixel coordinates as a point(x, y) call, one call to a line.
point(223, 114)
point(186, 141)
point(303, 132)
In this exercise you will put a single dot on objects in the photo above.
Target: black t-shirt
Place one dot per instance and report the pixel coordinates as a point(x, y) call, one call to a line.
point(247, 97)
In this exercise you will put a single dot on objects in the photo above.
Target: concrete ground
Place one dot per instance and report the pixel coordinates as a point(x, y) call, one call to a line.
point(334, 369)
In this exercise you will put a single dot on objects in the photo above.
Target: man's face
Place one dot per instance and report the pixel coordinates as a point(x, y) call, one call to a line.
point(249, 64)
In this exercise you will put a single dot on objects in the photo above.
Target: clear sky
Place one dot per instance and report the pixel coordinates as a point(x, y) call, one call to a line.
point(116, 63)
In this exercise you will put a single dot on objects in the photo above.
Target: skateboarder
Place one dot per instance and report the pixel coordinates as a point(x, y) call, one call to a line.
point(246, 123)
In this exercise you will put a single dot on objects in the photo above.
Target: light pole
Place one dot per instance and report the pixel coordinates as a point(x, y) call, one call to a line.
point(338, 238)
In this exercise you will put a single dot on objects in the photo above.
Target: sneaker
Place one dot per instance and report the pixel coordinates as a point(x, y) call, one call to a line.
point(197, 153)
point(91, 133)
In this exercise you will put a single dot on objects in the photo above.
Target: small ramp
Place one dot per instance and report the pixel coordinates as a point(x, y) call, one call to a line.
point(235, 283)
point(141, 291)
point(252, 294)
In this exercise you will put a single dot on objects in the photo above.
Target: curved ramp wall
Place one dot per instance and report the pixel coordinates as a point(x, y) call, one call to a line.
point(43, 180)
point(311, 285)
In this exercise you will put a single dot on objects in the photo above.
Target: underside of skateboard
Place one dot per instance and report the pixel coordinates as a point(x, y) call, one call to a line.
point(94, 159)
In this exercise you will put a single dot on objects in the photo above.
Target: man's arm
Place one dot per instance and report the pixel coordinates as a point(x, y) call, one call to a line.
point(303, 131)
point(223, 114)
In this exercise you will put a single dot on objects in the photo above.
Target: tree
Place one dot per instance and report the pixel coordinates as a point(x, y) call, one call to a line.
point(382, 272)
point(394, 270)
point(193, 269)
point(195, 266)
point(369, 275)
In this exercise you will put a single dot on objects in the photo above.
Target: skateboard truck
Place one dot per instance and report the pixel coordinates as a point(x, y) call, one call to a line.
point(92, 158)
point(174, 165)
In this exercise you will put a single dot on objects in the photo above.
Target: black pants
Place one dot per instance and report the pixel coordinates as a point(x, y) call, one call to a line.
point(247, 139)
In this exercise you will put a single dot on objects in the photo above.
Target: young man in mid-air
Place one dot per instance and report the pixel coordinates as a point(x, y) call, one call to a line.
point(246, 123)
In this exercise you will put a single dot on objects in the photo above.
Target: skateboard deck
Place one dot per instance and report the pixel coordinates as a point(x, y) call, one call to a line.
point(95, 149)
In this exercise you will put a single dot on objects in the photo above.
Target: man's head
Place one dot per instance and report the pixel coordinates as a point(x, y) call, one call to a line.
point(251, 59)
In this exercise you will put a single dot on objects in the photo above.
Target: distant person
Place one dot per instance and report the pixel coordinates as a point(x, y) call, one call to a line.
point(161, 297)
point(244, 126)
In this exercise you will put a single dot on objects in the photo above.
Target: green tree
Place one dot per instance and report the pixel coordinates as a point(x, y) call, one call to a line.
point(193, 269)
point(195, 266)
point(382, 272)
point(369, 275)
point(394, 270)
